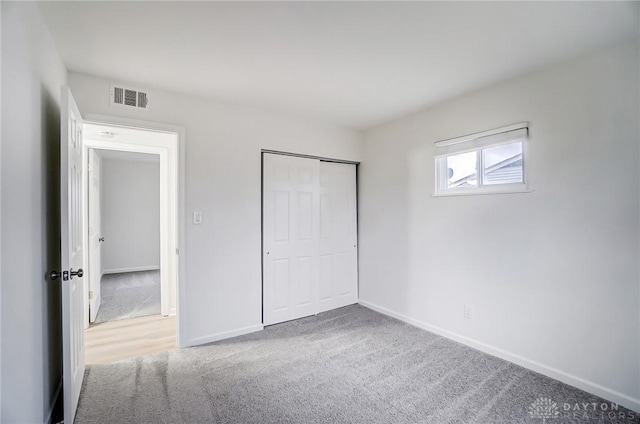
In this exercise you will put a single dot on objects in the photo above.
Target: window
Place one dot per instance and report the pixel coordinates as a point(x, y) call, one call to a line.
point(488, 162)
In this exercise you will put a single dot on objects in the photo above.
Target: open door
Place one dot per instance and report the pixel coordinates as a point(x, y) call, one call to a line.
point(95, 234)
point(72, 253)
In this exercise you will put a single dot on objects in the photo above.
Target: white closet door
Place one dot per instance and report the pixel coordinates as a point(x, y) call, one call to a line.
point(338, 236)
point(290, 237)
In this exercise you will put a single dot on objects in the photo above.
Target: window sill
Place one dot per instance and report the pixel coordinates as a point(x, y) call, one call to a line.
point(483, 191)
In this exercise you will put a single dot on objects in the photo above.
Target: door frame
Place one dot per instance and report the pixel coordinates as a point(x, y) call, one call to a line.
point(172, 163)
point(322, 159)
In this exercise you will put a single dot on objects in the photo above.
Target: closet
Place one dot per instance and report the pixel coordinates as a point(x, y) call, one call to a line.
point(310, 256)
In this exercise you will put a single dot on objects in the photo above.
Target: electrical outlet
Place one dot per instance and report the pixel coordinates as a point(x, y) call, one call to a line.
point(468, 311)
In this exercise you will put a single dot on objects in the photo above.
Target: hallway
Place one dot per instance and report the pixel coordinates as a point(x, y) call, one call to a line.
point(129, 295)
point(129, 338)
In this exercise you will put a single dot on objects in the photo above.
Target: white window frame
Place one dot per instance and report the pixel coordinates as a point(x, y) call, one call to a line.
point(479, 142)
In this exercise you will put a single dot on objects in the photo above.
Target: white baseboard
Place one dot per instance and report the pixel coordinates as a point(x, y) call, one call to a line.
point(56, 395)
point(224, 335)
point(586, 385)
point(132, 269)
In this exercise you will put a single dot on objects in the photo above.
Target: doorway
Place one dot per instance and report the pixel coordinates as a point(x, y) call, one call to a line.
point(131, 216)
point(124, 235)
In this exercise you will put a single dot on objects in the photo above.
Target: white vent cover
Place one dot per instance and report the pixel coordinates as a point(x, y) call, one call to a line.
point(128, 97)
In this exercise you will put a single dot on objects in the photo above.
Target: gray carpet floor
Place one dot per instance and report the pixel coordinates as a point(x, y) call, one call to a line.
point(351, 365)
point(129, 295)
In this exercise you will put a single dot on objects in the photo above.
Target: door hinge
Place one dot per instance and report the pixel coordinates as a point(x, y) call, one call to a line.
point(90, 294)
point(177, 251)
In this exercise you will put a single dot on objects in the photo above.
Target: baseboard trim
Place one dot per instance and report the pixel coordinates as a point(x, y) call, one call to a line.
point(224, 335)
point(565, 377)
point(132, 269)
point(52, 407)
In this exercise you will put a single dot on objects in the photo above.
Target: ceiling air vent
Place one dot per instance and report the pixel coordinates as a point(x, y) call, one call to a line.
point(127, 97)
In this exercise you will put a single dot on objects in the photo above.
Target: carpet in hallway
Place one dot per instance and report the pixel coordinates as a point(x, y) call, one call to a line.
point(129, 295)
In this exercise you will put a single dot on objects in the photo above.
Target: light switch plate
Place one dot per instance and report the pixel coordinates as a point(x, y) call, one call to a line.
point(197, 217)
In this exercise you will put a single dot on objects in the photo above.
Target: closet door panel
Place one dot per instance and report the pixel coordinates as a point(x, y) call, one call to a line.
point(290, 237)
point(338, 235)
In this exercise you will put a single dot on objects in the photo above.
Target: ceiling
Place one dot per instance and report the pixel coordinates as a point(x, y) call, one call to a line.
point(357, 64)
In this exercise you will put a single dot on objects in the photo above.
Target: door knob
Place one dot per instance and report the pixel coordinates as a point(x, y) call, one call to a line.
point(79, 273)
point(101, 239)
point(66, 275)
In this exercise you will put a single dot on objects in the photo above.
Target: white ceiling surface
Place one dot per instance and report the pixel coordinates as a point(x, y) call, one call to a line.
point(358, 64)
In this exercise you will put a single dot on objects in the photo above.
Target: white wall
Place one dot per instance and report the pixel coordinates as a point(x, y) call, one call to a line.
point(0, 221)
point(130, 215)
point(553, 275)
point(223, 174)
point(32, 73)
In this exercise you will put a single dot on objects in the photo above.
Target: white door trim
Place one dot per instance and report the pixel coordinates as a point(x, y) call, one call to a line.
point(174, 166)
